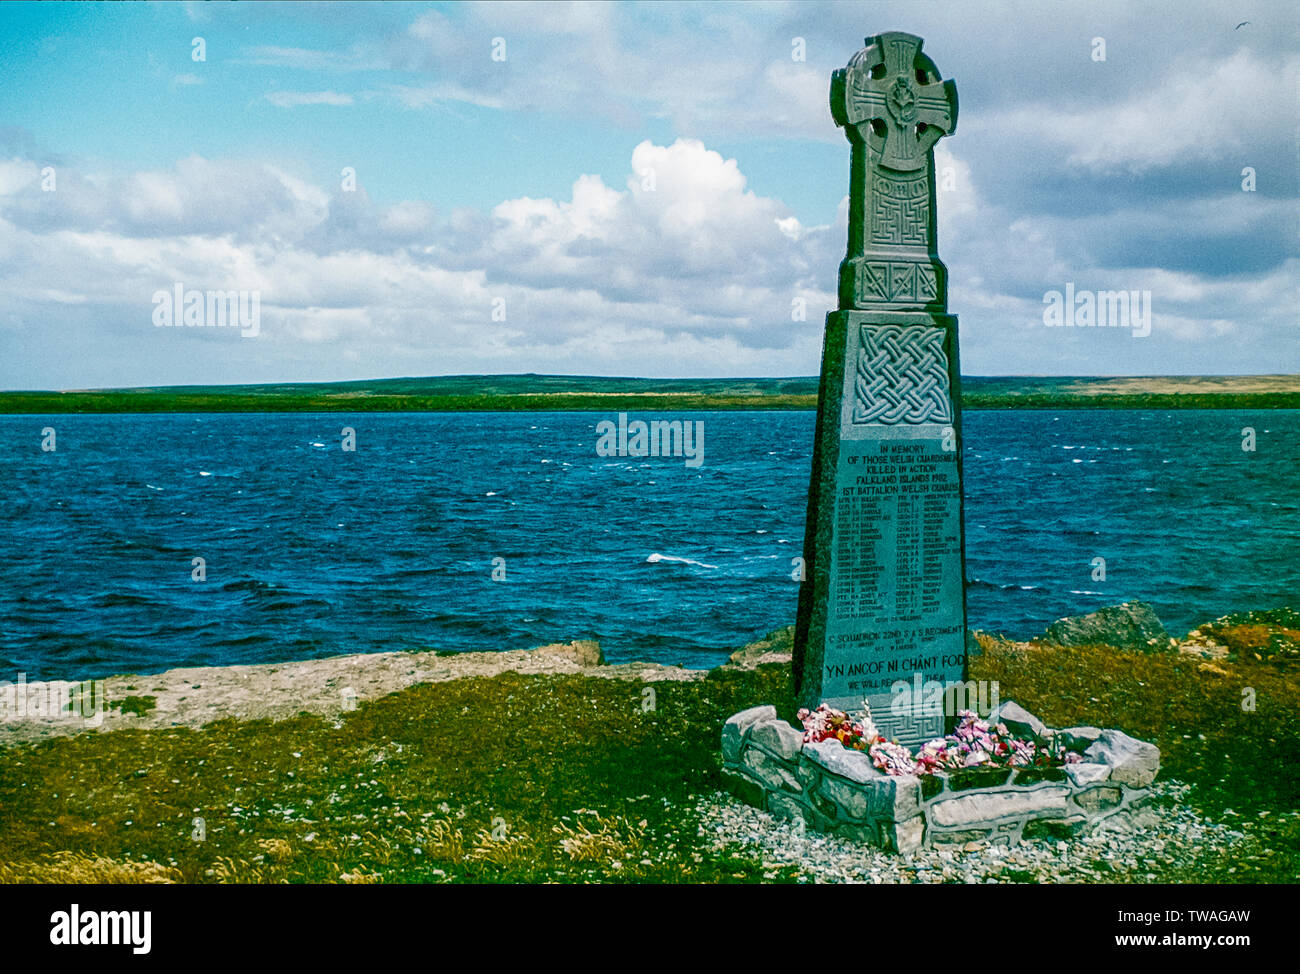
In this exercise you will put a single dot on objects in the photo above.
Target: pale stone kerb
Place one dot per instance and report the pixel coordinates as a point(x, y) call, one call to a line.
point(1131, 812)
point(736, 728)
point(1099, 799)
point(834, 757)
point(998, 806)
point(1008, 835)
point(881, 798)
point(868, 832)
point(783, 806)
point(808, 773)
point(849, 799)
point(959, 836)
point(1104, 801)
point(778, 739)
point(906, 837)
point(1084, 774)
point(896, 798)
point(772, 772)
point(1075, 739)
point(839, 790)
point(1017, 719)
point(1132, 762)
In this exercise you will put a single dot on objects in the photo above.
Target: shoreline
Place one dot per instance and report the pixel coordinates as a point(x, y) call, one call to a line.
point(194, 696)
point(59, 404)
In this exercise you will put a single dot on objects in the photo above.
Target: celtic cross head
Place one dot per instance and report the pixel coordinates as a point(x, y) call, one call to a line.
point(892, 99)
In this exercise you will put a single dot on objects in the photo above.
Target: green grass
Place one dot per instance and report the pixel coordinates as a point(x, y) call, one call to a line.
point(1191, 709)
point(134, 705)
point(567, 778)
point(1239, 761)
point(488, 778)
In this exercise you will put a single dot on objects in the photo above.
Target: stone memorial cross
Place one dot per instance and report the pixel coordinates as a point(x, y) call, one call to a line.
point(882, 607)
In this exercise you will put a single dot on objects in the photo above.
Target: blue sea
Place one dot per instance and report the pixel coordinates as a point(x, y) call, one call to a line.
point(313, 551)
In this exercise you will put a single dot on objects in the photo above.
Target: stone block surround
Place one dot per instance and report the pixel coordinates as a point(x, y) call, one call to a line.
point(835, 789)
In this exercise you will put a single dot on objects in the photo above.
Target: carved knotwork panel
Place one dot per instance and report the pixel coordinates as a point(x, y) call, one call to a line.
point(901, 376)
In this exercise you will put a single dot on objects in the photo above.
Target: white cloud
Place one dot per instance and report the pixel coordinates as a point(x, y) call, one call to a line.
point(16, 174)
point(197, 196)
point(696, 273)
point(1203, 110)
point(596, 56)
point(423, 96)
point(294, 99)
point(683, 269)
point(357, 58)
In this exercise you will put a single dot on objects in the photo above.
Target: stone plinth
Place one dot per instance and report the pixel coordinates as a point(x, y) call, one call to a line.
point(838, 790)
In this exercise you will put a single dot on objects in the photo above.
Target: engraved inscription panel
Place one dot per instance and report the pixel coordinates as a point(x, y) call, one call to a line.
point(895, 607)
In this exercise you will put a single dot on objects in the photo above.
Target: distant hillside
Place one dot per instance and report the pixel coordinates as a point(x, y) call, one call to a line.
point(565, 392)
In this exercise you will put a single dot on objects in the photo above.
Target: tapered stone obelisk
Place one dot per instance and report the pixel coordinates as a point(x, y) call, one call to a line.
point(882, 605)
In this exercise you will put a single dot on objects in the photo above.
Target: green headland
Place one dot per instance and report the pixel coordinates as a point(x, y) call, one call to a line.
point(508, 393)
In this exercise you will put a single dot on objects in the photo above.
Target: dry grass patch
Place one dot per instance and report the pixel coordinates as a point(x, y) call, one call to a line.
point(611, 840)
point(83, 868)
point(503, 850)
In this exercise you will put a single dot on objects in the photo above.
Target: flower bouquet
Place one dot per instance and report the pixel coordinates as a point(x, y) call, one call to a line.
point(974, 743)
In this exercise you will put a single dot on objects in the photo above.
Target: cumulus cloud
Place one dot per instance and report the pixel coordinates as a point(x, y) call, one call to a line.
point(732, 70)
point(682, 268)
point(197, 197)
point(549, 57)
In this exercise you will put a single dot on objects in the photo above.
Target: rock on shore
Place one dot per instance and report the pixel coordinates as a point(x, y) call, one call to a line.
point(1130, 625)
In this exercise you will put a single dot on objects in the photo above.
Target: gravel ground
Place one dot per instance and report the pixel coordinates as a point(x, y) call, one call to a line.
point(1129, 847)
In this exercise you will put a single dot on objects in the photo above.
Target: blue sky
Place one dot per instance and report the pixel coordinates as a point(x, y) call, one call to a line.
point(521, 185)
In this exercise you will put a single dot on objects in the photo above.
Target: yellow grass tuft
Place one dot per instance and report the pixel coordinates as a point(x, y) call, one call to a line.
point(79, 867)
point(442, 840)
point(509, 850)
point(610, 840)
point(360, 878)
point(228, 870)
point(277, 850)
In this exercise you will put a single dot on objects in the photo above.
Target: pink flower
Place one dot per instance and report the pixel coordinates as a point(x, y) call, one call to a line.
point(973, 743)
